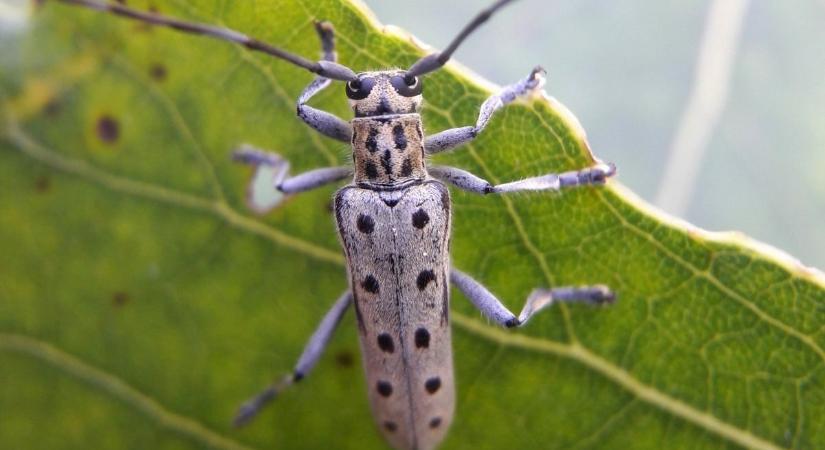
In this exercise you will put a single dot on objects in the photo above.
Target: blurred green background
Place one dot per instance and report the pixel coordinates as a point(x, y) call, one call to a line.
point(626, 69)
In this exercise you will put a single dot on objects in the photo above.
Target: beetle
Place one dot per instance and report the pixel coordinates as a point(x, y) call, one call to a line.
point(393, 222)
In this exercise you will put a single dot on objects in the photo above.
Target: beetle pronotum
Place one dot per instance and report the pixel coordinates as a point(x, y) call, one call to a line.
point(394, 224)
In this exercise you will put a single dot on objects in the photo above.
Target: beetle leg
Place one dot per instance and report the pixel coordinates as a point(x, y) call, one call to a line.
point(553, 182)
point(322, 121)
point(312, 352)
point(539, 299)
point(449, 139)
point(272, 171)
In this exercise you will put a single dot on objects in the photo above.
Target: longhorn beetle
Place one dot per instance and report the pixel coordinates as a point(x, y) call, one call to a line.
point(394, 225)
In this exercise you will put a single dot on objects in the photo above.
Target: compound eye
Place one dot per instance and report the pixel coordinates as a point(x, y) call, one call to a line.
point(407, 85)
point(360, 89)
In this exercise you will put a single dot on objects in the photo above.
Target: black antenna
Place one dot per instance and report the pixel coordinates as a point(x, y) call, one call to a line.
point(326, 69)
point(434, 61)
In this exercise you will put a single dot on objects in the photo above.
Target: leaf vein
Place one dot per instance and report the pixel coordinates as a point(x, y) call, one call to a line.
point(118, 388)
point(737, 297)
point(177, 119)
point(574, 351)
point(165, 195)
point(620, 377)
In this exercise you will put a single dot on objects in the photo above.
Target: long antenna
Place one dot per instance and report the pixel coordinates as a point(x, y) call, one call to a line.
point(434, 61)
point(326, 69)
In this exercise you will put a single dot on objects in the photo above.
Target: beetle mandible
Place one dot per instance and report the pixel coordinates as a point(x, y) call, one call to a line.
point(394, 224)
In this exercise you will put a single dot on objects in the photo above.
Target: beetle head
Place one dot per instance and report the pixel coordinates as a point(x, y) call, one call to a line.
point(384, 92)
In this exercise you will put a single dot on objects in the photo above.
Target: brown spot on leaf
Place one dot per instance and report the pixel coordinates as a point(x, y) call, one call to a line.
point(158, 72)
point(120, 298)
point(52, 108)
point(108, 129)
point(42, 184)
point(344, 358)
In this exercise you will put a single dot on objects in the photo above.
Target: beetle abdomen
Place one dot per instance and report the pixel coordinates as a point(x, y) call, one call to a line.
point(397, 245)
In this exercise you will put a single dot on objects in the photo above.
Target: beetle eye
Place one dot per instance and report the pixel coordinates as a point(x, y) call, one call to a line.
point(406, 85)
point(359, 89)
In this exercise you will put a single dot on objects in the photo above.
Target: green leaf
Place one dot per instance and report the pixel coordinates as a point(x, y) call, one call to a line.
point(140, 301)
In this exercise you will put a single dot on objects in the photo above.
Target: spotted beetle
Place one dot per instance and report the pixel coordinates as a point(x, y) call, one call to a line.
point(394, 224)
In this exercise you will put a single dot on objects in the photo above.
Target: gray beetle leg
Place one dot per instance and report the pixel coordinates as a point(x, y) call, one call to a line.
point(449, 139)
point(312, 352)
point(467, 181)
point(272, 181)
point(322, 121)
point(539, 299)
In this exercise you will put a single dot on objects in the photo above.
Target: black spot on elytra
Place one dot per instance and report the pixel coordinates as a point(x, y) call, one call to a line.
point(435, 422)
point(42, 184)
point(108, 129)
point(371, 142)
point(432, 385)
point(406, 168)
point(390, 426)
point(370, 170)
point(420, 218)
point(424, 278)
point(385, 343)
point(344, 358)
point(158, 72)
point(370, 284)
point(384, 388)
point(386, 162)
point(422, 338)
point(399, 137)
point(120, 298)
point(365, 223)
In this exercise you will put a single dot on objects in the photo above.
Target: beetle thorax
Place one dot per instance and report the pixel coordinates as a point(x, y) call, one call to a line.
point(388, 151)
